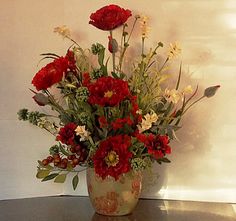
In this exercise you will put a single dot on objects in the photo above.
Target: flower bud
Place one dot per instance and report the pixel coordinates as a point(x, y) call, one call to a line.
point(41, 99)
point(210, 91)
point(112, 45)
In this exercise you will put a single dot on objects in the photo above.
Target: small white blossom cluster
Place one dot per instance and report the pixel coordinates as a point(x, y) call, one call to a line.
point(82, 132)
point(174, 96)
point(147, 122)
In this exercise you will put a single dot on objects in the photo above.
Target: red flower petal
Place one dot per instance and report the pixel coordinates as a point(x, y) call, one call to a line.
point(109, 17)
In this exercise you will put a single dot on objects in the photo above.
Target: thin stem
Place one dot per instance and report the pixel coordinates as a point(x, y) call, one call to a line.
point(64, 170)
point(113, 54)
point(150, 58)
point(73, 41)
point(49, 131)
point(126, 44)
point(193, 104)
point(143, 48)
point(167, 59)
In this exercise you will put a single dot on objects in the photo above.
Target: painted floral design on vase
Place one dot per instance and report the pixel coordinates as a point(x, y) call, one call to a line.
point(114, 197)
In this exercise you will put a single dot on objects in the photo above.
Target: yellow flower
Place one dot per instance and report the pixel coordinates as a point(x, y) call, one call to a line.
point(63, 31)
point(175, 50)
point(172, 95)
point(144, 27)
point(82, 132)
point(188, 90)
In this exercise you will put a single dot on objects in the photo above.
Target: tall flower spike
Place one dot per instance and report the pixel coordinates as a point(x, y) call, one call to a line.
point(144, 27)
point(175, 50)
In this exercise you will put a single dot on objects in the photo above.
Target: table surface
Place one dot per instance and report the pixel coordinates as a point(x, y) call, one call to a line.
point(74, 208)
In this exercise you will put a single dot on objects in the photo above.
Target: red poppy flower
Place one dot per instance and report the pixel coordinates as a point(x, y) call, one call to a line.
point(108, 91)
point(109, 17)
point(67, 134)
point(158, 146)
point(53, 72)
point(112, 157)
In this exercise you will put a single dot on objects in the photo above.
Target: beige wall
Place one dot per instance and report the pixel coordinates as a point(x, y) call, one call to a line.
point(203, 162)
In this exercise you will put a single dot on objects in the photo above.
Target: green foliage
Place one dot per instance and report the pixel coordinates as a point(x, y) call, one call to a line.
point(50, 177)
point(75, 181)
point(42, 174)
point(54, 149)
point(157, 111)
point(60, 178)
point(23, 114)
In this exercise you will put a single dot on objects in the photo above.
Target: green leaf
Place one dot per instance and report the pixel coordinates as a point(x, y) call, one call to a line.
point(122, 75)
point(101, 57)
point(50, 177)
point(42, 174)
point(75, 181)
point(104, 70)
point(62, 150)
point(114, 75)
point(165, 160)
point(51, 54)
point(69, 167)
point(48, 167)
point(60, 178)
point(179, 77)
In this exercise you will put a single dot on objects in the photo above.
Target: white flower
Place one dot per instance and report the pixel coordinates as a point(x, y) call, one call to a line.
point(63, 31)
point(152, 118)
point(82, 132)
point(147, 122)
point(174, 51)
point(172, 95)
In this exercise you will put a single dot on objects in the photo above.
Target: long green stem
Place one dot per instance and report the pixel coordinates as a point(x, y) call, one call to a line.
point(113, 54)
point(167, 59)
point(193, 104)
point(55, 105)
point(126, 44)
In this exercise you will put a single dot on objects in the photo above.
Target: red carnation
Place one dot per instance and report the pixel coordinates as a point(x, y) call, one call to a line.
point(108, 91)
point(67, 134)
point(109, 17)
point(112, 157)
point(121, 122)
point(157, 145)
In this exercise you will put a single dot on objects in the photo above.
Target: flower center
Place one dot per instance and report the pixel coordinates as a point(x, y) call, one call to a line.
point(112, 159)
point(108, 94)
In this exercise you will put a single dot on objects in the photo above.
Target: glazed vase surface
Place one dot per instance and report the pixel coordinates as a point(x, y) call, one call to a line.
point(114, 197)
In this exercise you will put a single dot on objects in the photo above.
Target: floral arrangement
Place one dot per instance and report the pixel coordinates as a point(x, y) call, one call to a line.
point(107, 119)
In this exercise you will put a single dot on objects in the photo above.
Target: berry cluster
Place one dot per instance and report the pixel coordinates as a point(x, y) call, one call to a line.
point(79, 155)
